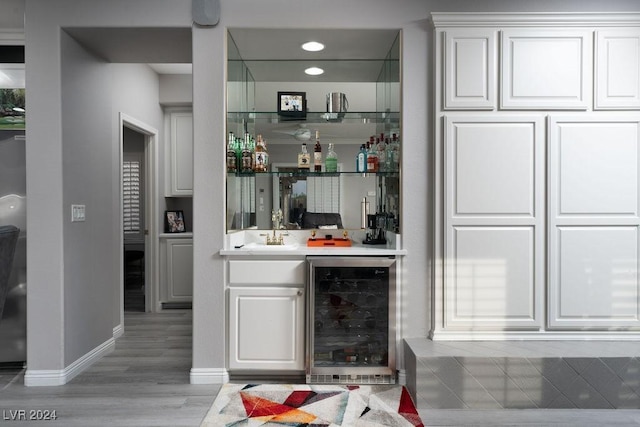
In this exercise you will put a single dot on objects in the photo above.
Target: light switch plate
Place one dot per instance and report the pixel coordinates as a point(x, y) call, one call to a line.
point(77, 213)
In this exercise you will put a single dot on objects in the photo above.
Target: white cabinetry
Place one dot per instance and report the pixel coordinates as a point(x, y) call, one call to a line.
point(594, 215)
point(494, 190)
point(546, 69)
point(538, 197)
point(179, 171)
point(618, 69)
point(266, 314)
point(176, 276)
point(470, 69)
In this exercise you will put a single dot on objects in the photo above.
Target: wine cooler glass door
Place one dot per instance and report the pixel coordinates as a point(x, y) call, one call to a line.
point(352, 319)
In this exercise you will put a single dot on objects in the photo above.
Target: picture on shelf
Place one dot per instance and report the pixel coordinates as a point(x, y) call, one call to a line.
point(174, 222)
point(292, 105)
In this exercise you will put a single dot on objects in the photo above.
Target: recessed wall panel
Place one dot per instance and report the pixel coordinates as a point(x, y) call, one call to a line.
point(470, 70)
point(493, 276)
point(549, 69)
point(618, 69)
point(493, 166)
point(594, 167)
point(596, 281)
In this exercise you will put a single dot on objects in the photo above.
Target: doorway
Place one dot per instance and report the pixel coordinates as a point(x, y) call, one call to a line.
point(138, 224)
point(133, 191)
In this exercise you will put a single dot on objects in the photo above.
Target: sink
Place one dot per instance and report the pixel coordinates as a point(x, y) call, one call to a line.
point(264, 246)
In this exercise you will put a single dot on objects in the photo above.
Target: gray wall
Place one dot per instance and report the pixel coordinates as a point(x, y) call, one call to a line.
point(75, 268)
point(88, 249)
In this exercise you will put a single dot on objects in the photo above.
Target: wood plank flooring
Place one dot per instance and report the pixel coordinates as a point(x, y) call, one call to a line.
point(143, 382)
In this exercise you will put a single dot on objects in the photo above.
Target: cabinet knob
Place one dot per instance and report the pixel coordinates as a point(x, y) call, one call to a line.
point(299, 293)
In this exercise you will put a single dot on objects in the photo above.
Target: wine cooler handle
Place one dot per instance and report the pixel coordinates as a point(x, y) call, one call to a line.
point(299, 293)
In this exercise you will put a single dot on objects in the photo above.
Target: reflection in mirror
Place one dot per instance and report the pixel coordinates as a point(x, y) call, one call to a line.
point(290, 194)
point(307, 201)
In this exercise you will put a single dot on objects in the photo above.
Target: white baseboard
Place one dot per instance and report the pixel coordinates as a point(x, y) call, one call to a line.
point(118, 331)
point(54, 377)
point(209, 376)
point(402, 376)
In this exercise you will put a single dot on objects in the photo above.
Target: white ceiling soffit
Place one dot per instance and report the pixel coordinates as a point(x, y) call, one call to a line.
point(172, 68)
point(136, 45)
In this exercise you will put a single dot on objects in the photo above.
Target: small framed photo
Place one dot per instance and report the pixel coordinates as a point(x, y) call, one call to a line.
point(174, 222)
point(292, 105)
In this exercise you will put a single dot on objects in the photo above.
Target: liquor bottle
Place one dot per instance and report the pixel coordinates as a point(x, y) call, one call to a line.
point(246, 161)
point(232, 160)
point(395, 152)
point(361, 159)
point(331, 162)
point(382, 158)
point(317, 154)
point(372, 158)
point(304, 160)
point(261, 156)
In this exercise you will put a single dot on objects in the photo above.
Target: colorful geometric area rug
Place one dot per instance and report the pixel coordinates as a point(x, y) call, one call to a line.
point(325, 405)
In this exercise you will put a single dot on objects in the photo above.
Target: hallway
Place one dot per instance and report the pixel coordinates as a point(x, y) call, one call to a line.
point(144, 382)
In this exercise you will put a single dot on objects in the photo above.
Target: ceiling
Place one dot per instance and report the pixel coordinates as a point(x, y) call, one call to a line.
point(271, 54)
point(136, 45)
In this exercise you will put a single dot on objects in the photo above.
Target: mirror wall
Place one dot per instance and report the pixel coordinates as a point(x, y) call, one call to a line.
point(364, 65)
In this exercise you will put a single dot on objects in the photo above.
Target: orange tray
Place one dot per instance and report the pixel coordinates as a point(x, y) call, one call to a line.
point(342, 243)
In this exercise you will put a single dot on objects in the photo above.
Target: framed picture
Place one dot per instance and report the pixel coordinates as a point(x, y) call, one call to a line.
point(292, 105)
point(174, 222)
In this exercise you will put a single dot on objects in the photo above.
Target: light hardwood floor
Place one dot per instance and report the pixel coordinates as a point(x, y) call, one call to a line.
point(143, 382)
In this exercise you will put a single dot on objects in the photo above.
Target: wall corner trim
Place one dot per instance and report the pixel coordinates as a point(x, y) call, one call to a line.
point(209, 376)
point(56, 377)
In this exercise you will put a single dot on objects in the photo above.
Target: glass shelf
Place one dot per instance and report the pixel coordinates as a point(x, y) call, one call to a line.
point(316, 117)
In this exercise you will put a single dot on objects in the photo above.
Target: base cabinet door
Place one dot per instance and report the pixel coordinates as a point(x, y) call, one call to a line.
point(177, 277)
point(266, 328)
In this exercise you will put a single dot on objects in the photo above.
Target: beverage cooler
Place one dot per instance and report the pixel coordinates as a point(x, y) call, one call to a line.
point(351, 327)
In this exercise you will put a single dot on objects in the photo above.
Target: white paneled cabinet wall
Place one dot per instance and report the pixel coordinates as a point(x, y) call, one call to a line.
point(494, 221)
point(593, 221)
point(537, 165)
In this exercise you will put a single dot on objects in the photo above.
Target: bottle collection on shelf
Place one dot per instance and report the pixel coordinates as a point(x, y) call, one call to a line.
point(378, 154)
point(247, 154)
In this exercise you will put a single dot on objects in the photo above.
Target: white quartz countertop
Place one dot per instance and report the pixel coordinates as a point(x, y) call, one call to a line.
point(252, 243)
point(304, 250)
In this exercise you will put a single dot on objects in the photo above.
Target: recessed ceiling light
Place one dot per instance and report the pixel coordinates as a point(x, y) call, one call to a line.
point(313, 46)
point(314, 71)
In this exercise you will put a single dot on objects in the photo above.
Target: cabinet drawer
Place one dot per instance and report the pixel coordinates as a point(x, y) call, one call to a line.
point(267, 272)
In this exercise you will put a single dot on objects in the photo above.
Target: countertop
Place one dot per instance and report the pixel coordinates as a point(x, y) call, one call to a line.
point(251, 243)
point(303, 250)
